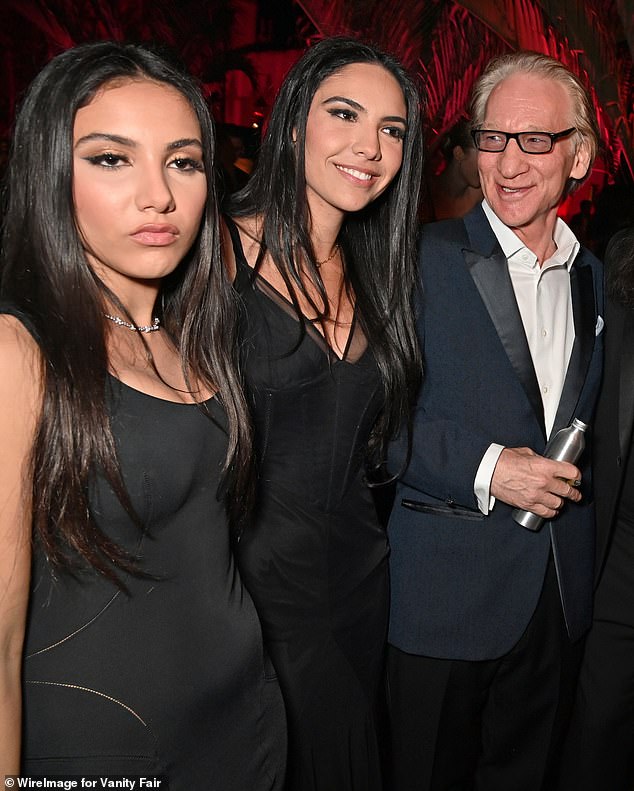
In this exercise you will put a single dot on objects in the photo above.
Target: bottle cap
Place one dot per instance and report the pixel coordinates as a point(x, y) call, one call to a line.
point(579, 424)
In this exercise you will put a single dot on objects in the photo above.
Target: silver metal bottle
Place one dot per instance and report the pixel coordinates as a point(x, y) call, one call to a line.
point(567, 445)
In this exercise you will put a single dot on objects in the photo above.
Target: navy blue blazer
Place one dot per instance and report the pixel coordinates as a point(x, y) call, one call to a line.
point(465, 585)
point(614, 423)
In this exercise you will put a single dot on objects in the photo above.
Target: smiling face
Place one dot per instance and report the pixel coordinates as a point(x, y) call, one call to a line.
point(139, 187)
point(524, 190)
point(354, 140)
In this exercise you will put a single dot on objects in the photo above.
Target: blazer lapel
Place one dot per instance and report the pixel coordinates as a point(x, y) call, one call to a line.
point(492, 279)
point(583, 302)
point(626, 385)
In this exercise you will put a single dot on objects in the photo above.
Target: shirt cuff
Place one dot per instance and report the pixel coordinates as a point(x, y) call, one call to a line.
point(482, 482)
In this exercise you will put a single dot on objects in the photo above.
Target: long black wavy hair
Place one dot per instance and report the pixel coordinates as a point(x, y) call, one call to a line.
point(378, 242)
point(45, 274)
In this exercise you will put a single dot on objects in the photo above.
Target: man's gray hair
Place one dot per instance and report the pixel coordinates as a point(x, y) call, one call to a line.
point(525, 62)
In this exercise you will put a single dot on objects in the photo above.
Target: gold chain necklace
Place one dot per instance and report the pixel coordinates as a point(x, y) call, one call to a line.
point(334, 252)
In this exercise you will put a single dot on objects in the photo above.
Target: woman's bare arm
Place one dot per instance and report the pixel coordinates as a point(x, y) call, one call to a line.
point(20, 401)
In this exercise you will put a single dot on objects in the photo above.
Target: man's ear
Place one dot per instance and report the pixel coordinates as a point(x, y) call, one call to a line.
point(581, 162)
point(458, 153)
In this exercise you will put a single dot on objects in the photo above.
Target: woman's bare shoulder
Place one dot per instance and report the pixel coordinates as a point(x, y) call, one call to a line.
point(20, 361)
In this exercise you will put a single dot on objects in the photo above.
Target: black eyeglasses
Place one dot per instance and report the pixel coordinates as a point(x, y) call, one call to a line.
point(494, 142)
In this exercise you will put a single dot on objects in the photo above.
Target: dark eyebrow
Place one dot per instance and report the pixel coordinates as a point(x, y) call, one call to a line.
point(126, 141)
point(361, 108)
point(122, 141)
point(343, 99)
point(186, 141)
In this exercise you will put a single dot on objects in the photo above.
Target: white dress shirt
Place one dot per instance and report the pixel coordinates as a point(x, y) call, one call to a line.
point(545, 304)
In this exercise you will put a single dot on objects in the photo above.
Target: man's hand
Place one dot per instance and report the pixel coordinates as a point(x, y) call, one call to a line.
point(526, 480)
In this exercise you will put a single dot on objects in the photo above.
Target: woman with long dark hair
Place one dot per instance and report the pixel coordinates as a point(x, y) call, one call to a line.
point(124, 433)
point(323, 244)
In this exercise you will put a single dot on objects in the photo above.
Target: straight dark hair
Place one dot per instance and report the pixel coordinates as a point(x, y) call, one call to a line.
point(45, 274)
point(378, 243)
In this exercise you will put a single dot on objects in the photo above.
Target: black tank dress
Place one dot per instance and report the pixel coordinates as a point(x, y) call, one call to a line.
point(315, 558)
point(169, 678)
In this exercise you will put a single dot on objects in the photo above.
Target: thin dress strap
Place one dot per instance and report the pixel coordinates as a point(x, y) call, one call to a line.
point(238, 251)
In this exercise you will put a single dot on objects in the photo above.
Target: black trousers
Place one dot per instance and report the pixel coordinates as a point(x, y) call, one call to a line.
point(599, 751)
point(494, 725)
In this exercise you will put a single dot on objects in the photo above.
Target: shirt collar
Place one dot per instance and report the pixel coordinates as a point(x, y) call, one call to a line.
point(511, 244)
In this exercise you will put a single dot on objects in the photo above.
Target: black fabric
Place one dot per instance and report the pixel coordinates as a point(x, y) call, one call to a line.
point(599, 751)
point(315, 559)
point(171, 678)
point(493, 725)
point(612, 426)
point(626, 502)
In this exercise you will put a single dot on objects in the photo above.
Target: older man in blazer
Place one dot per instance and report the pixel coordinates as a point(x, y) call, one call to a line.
point(486, 615)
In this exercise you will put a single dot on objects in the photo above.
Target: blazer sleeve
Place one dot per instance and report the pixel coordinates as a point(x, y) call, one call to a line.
point(444, 459)
point(446, 448)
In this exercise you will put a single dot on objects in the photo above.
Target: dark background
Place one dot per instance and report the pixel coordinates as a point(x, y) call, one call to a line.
point(241, 49)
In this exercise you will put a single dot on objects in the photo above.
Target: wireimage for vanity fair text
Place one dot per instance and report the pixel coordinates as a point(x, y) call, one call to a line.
point(70, 782)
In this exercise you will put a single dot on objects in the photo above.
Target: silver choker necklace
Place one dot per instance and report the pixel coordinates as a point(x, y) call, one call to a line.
point(153, 327)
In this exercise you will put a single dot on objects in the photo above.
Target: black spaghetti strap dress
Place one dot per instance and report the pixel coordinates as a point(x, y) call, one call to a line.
point(315, 558)
point(169, 677)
